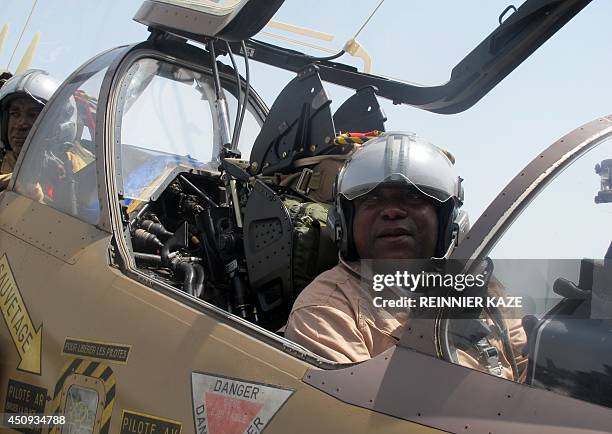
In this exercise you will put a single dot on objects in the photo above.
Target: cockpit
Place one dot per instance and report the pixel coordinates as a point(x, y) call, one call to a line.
point(211, 197)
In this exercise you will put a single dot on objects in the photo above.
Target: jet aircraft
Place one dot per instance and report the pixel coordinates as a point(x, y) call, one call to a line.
point(146, 291)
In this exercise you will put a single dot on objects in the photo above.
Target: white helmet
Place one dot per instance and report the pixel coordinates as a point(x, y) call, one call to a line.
point(35, 84)
point(399, 158)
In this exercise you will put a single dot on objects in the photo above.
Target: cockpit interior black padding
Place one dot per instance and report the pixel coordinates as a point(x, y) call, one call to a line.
point(268, 243)
point(360, 113)
point(299, 125)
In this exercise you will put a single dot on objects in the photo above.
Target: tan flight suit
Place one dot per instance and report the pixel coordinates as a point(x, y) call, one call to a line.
point(78, 156)
point(6, 169)
point(335, 319)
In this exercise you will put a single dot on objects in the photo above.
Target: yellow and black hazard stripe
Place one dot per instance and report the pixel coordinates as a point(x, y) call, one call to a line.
point(361, 138)
point(357, 138)
point(90, 369)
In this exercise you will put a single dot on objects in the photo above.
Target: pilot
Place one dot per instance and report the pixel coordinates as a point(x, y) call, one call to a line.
point(21, 100)
point(396, 198)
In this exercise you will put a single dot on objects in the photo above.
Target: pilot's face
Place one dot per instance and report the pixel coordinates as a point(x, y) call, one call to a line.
point(395, 223)
point(22, 113)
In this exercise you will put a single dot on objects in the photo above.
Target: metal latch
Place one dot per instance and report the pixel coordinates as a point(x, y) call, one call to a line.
point(489, 357)
point(303, 184)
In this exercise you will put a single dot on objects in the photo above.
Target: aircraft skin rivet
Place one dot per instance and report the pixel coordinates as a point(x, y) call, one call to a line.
point(313, 148)
point(327, 139)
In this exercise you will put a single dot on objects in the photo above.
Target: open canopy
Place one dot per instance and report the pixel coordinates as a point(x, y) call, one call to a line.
point(513, 41)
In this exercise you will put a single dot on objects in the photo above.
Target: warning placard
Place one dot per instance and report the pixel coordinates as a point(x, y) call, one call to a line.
point(96, 350)
point(23, 398)
point(224, 405)
point(140, 423)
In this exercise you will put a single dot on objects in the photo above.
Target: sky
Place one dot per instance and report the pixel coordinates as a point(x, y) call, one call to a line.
point(563, 85)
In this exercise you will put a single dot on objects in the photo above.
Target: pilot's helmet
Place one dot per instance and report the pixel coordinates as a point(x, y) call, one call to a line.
point(405, 159)
point(39, 86)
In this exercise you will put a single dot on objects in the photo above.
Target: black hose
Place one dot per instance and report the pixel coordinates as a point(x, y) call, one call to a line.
point(246, 93)
point(210, 252)
point(156, 229)
point(168, 248)
point(155, 259)
point(144, 240)
point(240, 297)
point(209, 230)
point(199, 284)
point(186, 269)
point(177, 241)
point(239, 98)
point(217, 81)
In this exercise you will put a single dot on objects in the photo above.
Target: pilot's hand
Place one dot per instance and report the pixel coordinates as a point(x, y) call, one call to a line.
point(32, 190)
point(35, 192)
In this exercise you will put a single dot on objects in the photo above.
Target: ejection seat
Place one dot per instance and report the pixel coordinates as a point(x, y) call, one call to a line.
point(294, 161)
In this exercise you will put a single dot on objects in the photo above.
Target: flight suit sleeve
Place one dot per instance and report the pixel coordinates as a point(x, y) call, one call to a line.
point(328, 332)
point(518, 339)
point(4, 180)
point(7, 165)
point(516, 333)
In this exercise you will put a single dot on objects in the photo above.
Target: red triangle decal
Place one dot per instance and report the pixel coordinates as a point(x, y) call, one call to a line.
point(227, 415)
